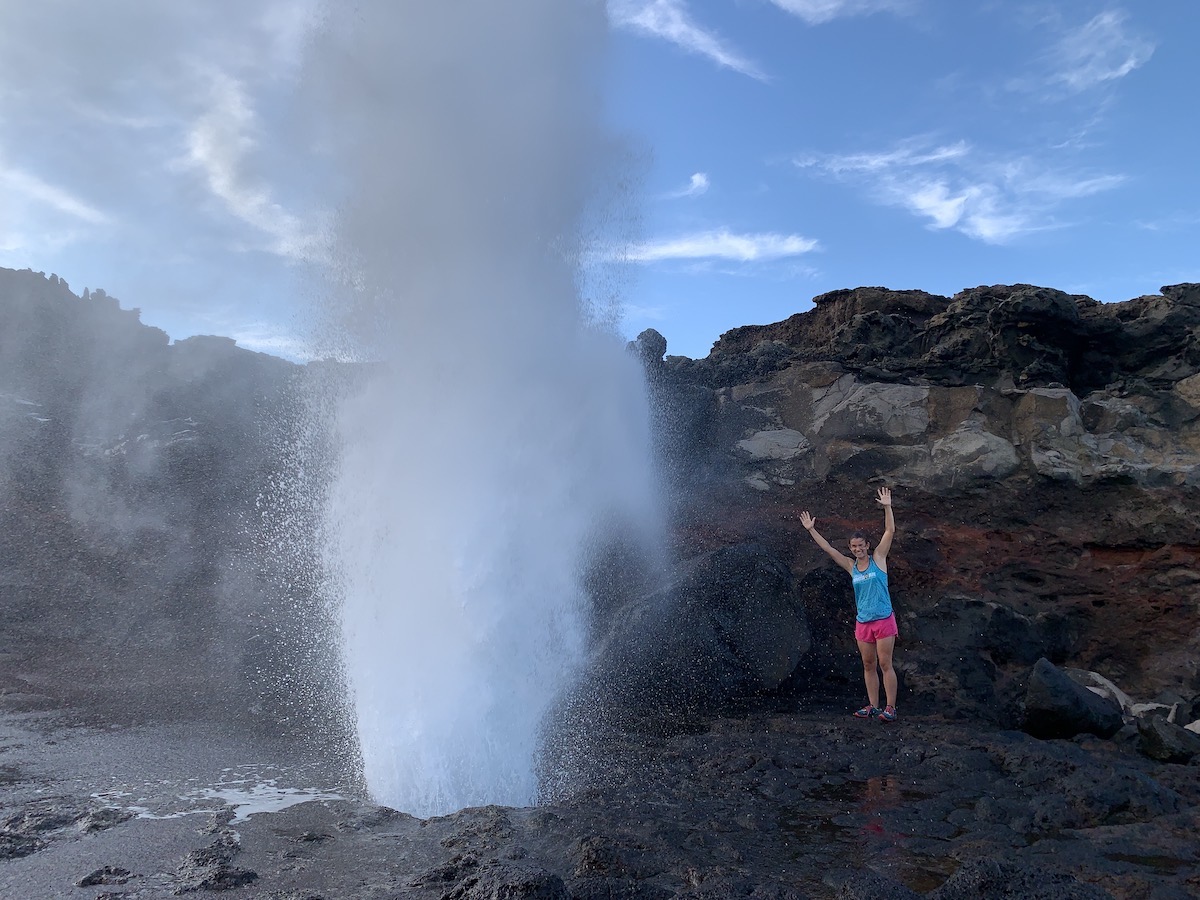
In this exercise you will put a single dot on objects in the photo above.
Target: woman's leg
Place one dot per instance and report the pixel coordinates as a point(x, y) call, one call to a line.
point(870, 670)
point(883, 649)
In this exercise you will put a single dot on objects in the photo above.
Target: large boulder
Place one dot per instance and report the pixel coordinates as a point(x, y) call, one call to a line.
point(728, 626)
point(963, 644)
point(1166, 741)
point(1056, 706)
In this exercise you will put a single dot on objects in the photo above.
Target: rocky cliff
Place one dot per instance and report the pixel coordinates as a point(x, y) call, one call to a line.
point(1042, 446)
point(142, 498)
point(154, 562)
point(1043, 449)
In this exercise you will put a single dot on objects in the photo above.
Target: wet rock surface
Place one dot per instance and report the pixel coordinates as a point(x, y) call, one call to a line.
point(775, 803)
point(728, 626)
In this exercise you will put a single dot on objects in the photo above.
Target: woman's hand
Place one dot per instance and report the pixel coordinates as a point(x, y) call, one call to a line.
point(807, 521)
point(883, 498)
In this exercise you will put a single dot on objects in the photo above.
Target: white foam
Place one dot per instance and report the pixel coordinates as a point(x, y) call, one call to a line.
point(247, 796)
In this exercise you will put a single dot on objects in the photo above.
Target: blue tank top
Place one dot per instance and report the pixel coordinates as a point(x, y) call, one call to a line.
point(871, 592)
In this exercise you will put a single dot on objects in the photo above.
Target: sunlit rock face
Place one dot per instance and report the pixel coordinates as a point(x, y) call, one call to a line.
point(1044, 449)
point(953, 393)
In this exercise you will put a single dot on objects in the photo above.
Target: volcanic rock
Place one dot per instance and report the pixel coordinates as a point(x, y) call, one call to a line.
point(1002, 879)
point(105, 875)
point(728, 626)
point(1044, 451)
point(1045, 471)
point(1166, 741)
point(1057, 707)
point(510, 881)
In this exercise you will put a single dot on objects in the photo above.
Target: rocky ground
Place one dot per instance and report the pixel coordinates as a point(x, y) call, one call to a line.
point(767, 803)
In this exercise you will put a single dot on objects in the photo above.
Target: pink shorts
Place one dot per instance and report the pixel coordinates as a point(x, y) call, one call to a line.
point(870, 632)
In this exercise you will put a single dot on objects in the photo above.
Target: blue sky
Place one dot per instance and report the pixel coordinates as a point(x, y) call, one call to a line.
point(801, 146)
point(781, 148)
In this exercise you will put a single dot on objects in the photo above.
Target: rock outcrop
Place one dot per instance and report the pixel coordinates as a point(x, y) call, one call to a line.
point(140, 508)
point(1057, 707)
point(729, 626)
point(1044, 449)
point(1020, 334)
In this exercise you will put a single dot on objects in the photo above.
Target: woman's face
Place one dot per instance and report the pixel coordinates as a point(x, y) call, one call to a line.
point(859, 548)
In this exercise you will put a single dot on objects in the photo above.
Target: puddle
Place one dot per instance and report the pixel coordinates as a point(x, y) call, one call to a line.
point(845, 822)
point(879, 789)
point(1166, 864)
point(924, 873)
point(247, 790)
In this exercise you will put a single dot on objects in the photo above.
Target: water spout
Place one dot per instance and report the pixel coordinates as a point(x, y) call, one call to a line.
point(499, 435)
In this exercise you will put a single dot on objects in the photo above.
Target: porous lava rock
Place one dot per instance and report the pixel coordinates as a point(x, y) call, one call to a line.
point(501, 880)
point(1166, 741)
point(1057, 707)
point(728, 625)
point(1044, 453)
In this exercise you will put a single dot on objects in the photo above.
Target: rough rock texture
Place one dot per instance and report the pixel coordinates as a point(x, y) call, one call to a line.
point(729, 626)
point(1057, 707)
point(1027, 335)
point(498, 880)
point(1044, 450)
point(1001, 879)
point(776, 805)
point(1165, 741)
point(142, 529)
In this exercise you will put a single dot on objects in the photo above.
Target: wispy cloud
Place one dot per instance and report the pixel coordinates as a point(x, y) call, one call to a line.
point(38, 216)
point(1102, 50)
point(1083, 58)
point(953, 186)
point(148, 114)
point(671, 21)
point(43, 193)
point(723, 245)
point(817, 12)
point(218, 145)
point(1172, 222)
point(698, 184)
point(909, 154)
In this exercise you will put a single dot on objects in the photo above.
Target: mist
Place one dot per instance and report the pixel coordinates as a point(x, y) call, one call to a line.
point(501, 437)
point(414, 192)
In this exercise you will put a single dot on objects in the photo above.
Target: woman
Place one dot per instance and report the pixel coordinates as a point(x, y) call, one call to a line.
point(875, 628)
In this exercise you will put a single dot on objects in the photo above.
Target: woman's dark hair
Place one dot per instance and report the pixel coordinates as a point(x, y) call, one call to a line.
point(859, 536)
